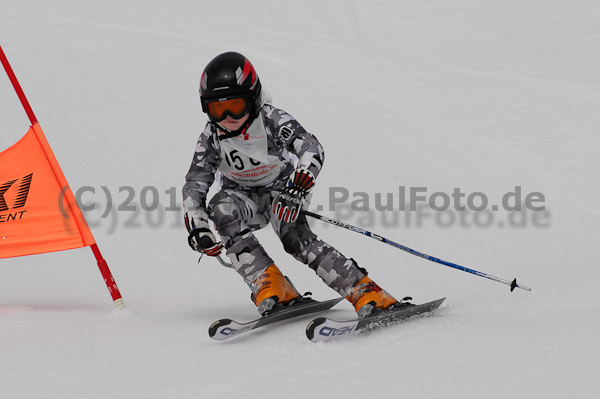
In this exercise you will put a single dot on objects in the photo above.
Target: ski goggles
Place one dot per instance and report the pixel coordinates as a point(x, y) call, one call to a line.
point(234, 107)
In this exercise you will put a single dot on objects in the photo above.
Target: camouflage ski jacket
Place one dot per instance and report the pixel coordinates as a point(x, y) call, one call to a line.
point(261, 159)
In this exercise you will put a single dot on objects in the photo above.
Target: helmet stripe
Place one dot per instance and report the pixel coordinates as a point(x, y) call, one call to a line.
point(248, 69)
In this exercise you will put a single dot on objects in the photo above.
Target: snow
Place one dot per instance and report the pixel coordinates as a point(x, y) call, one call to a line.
point(480, 95)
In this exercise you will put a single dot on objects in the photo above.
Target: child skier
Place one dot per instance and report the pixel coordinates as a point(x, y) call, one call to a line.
point(251, 144)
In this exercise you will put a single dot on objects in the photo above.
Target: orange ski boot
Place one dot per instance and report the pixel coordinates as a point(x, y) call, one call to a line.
point(366, 296)
point(272, 288)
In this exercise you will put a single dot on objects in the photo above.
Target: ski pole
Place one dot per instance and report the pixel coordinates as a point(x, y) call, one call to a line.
point(513, 284)
point(224, 263)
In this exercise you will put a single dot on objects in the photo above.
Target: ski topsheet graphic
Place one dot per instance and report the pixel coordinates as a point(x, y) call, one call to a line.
point(227, 328)
point(323, 329)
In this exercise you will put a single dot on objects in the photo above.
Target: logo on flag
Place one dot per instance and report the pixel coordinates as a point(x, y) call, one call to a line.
point(21, 192)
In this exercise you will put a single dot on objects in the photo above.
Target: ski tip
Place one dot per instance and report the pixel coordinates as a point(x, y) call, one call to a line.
point(214, 327)
point(310, 329)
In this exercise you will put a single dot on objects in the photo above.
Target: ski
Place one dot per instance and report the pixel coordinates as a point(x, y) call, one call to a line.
point(227, 328)
point(323, 329)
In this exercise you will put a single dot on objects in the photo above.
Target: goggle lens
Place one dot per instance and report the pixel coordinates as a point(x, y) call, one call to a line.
point(236, 107)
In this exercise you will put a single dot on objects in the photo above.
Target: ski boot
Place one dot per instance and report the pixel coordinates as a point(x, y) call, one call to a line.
point(272, 290)
point(367, 297)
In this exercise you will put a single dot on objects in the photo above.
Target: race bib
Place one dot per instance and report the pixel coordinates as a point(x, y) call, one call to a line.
point(245, 158)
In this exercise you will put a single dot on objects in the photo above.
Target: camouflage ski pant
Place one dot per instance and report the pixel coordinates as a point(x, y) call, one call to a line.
point(237, 213)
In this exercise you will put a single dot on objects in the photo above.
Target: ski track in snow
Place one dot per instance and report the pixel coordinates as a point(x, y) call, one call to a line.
point(483, 96)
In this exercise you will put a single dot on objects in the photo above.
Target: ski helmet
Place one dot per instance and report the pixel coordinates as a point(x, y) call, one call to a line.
point(230, 75)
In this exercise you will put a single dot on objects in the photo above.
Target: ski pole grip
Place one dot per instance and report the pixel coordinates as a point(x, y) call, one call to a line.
point(206, 242)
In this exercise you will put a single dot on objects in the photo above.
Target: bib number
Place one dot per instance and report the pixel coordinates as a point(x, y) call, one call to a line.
point(236, 161)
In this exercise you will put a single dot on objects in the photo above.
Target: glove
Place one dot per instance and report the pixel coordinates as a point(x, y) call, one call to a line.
point(288, 204)
point(201, 238)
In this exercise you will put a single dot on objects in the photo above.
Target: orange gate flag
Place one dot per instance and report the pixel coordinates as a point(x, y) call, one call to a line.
point(38, 212)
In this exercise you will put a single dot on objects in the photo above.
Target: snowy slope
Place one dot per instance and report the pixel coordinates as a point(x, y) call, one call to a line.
point(480, 95)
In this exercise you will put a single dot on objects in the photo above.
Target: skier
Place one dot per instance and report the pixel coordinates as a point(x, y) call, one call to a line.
point(254, 145)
